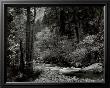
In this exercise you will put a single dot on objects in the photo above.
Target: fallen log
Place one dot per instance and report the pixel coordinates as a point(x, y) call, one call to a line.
point(94, 68)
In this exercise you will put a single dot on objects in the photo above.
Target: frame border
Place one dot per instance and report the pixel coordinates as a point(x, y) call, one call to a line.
point(54, 2)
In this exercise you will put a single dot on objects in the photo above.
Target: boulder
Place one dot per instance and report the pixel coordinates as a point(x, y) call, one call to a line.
point(96, 67)
point(69, 70)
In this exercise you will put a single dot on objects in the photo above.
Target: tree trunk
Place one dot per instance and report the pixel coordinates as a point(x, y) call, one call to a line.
point(62, 22)
point(28, 42)
point(77, 33)
point(32, 33)
point(21, 68)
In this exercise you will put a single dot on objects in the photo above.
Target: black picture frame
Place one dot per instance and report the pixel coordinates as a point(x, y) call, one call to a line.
point(4, 3)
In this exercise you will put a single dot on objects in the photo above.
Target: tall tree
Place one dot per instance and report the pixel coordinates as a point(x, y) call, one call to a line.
point(28, 42)
point(70, 19)
point(21, 68)
point(32, 31)
point(62, 22)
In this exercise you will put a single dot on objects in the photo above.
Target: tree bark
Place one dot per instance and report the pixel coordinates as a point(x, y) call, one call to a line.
point(32, 33)
point(62, 22)
point(21, 68)
point(28, 42)
point(77, 33)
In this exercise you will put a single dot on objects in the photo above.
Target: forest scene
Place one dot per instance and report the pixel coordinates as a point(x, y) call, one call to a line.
point(55, 44)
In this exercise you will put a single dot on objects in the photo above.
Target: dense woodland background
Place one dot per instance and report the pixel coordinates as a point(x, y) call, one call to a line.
point(57, 36)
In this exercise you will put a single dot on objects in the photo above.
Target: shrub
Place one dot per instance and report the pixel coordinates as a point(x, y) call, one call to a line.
point(88, 51)
point(58, 60)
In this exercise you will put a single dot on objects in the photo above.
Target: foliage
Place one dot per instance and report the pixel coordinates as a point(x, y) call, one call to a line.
point(85, 53)
point(88, 17)
point(16, 31)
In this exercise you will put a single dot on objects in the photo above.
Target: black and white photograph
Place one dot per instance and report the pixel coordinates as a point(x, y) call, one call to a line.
point(55, 44)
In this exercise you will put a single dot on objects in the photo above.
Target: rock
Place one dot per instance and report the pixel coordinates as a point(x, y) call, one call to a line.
point(97, 67)
point(48, 65)
point(69, 70)
point(53, 68)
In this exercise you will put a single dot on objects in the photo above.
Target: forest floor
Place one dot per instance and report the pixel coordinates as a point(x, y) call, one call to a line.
point(52, 74)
